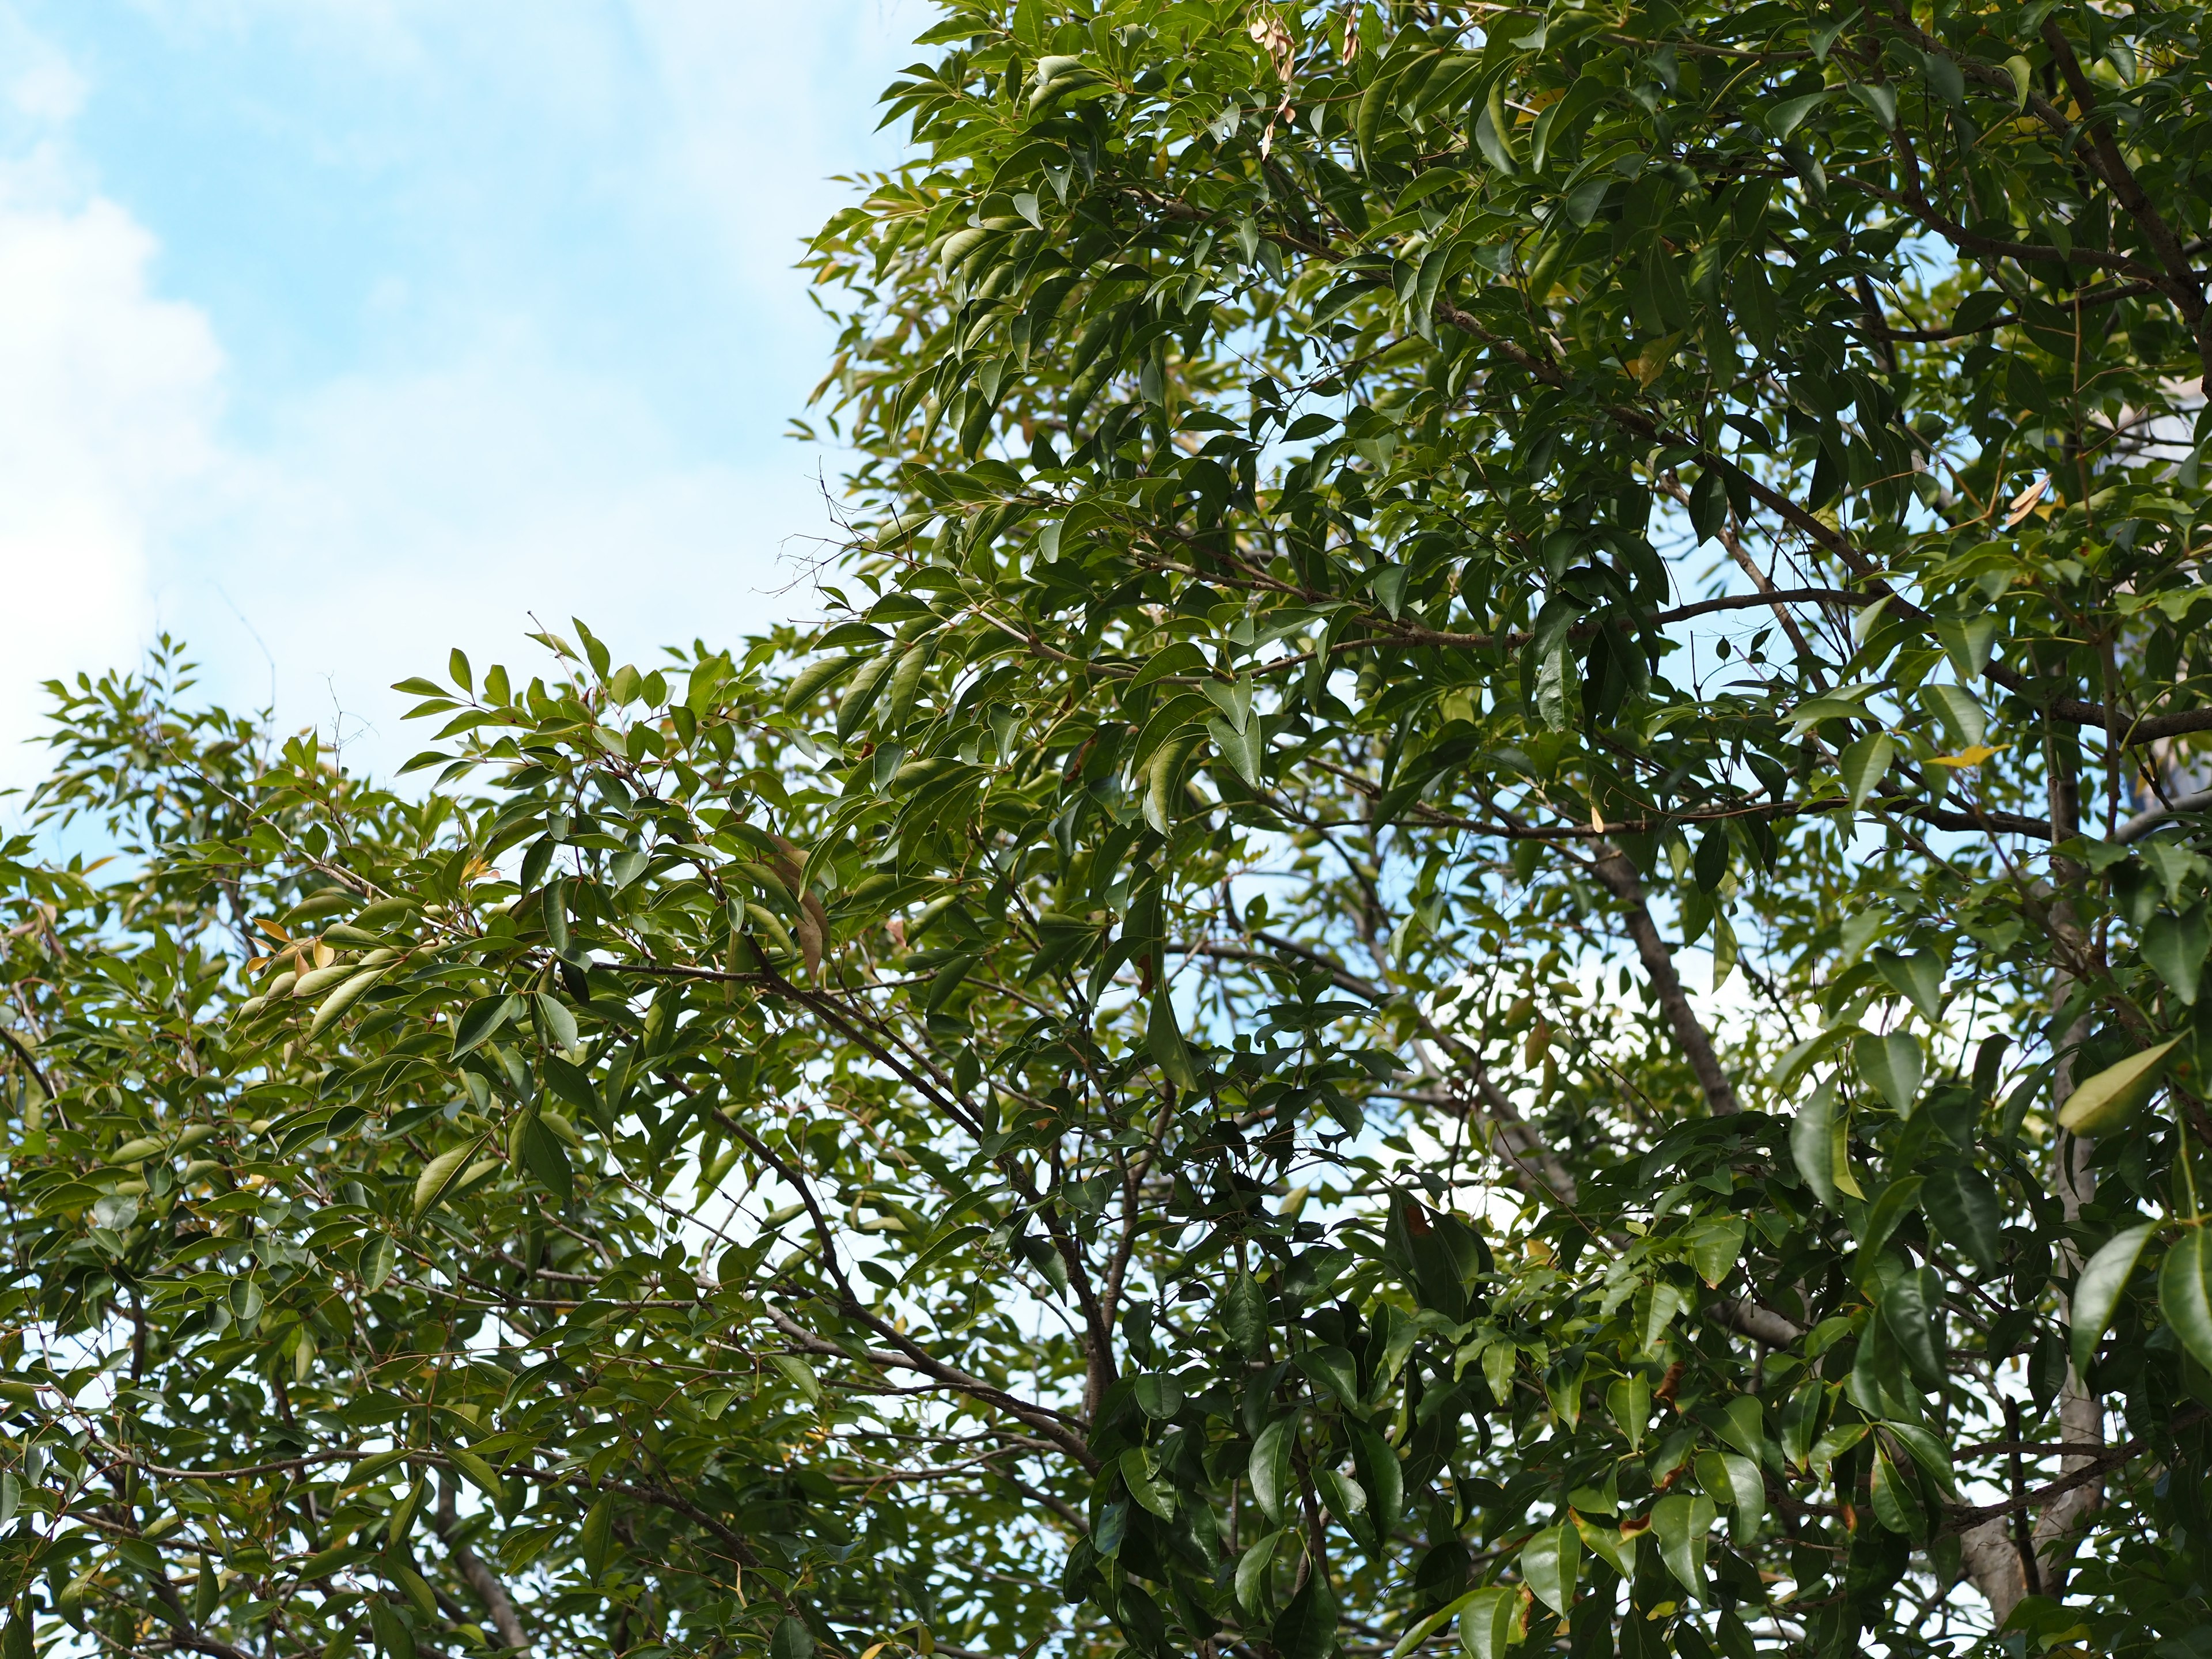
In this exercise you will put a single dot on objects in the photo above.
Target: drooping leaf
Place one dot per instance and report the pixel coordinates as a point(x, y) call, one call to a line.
point(2102, 1104)
point(1892, 1066)
point(1551, 1561)
point(2184, 1292)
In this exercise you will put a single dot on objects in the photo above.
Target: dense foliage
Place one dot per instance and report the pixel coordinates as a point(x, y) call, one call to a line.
point(1134, 1088)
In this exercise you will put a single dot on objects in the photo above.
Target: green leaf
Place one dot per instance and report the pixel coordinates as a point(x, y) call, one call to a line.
point(1342, 1496)
point(1930, 1453)
point(2106, 1100)
point(1814, 1135)
point(535, 1147)
point(1425, 1627)
point(817, 678)
point(1745, 1492)
point(1912, 1306)
point(479, 1473)
point(1962, 713)
point(378, 1256)
point(2184, 1291)
point(2175, 946)
point(1330, 1368)
point(1159, 1395)
point(596, 1534)
point(393, 1636)
point(1243, 1315)
point(1306, 1628)
point(439, 1175)
point(1629, 1402)
point(791, 1640)
point(1269, 1468)
point(1891, 1066)
point(1715, 1242)
point(1832, 1445)
point(1967, 1213)
point(1896, 1506)
point(559, 1025)
point(1918, 978)
point(1968, 643)
point(1493, 131)
point(1551, 1561)
point(1742, 1425)
point(1880, 98)
point(1615, 1548)
point(1144, 1483)
point(1863, 765)
point(1486, 1626)
point(1383, 1478)
point(1897, 1200)
point(799, 1375)
point(1165, 1043)
point(1784, 117)
point(1683, 1524)
point(1252, 1572)
point(481, 1019)
point(342, 998)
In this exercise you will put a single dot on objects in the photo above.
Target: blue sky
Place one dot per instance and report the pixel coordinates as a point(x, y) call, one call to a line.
point(336, 333)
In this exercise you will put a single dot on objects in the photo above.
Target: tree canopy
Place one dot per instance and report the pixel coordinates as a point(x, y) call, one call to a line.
point(1139, 1087)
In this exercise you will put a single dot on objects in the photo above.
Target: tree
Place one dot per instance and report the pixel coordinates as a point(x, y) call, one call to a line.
point(1135, 1088)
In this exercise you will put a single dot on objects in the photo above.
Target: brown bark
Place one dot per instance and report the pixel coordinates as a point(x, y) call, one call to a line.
point(2002, 1567)
point(481, 1578)
point(1613, 869)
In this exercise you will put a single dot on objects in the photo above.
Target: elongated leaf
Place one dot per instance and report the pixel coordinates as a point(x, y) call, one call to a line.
point(1891, 1064)
point(1812, 1143)
point(1487, 1625)
point(2175, 945)
point(439, 1175)
point(1145, 1484)
point(1381, 1476)
point(1551, 1561)
point(481, 1019)
point(1424, 1628)
point(1683, 1525)
point(1967, 1211)
point(1863, 765)
point(1896, 1506)
point(2184, 1292)
point(1912, 1306)
point(1243, 1314)
point(1306, 1629)
point(1252, 1572)
point(1715, 1243)
point(1918, 977)
point(1269, 1469)
point(342, 999)
point(1615, 1548)
point(2102, 1104)
point(480, 1474)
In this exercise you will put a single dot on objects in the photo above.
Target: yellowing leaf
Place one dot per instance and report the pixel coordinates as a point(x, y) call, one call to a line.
point(1974, 756)
point(2105, 1102)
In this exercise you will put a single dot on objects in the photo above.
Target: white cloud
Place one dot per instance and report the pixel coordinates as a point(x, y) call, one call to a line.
point(108, 401)
point(509, 457)
point(396, 515)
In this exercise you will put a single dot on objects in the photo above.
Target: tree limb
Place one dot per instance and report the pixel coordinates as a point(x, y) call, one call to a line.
point(481, 1578)
point(1613, 868)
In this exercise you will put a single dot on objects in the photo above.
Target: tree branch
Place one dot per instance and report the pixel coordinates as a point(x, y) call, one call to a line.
point(1613, 868)
point(481, 1579)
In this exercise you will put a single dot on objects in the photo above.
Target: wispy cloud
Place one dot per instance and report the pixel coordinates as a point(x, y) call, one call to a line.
point(360, 328)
